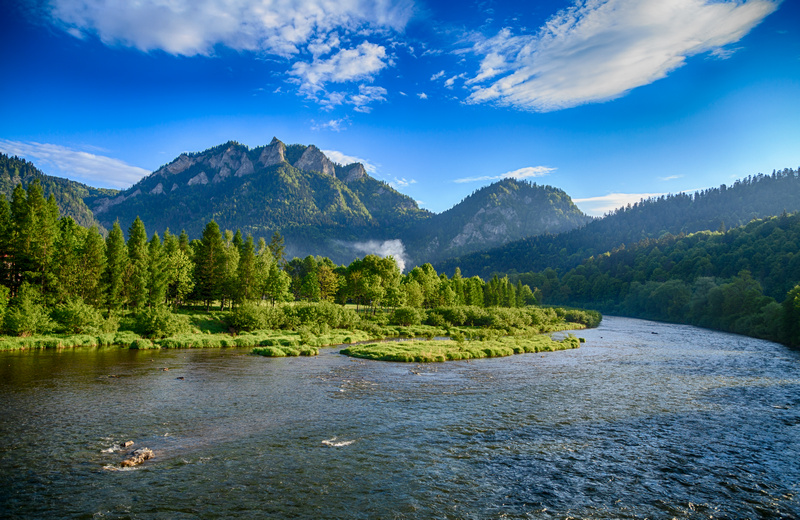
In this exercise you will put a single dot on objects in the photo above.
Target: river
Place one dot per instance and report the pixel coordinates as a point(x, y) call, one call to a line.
point(645, 420)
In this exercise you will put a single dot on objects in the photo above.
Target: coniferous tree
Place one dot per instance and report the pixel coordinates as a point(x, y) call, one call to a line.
point(67, 266)
point(157, 272)
point(247, 284)
point(6, 241)
point(116, 269)
point(210, 265)
point(93, 261)
point(139, 270)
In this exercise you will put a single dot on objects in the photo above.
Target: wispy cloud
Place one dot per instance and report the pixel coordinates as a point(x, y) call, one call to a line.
point(422, 95)
point(522, 173)
point(335, 125)
point(359, 63)
point(89, 168)
point(598, 50)
point(671, 177)
point(313, 36)
point(189, 27)
point(599, 206)
point(344, 159)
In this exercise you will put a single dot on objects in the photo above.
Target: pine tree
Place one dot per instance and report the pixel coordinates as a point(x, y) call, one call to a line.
point(93, 261)
point(139, 270)
point(157, 272)
point(116, 269)
point(67, 266)
point(210, 265)
point(247, 286)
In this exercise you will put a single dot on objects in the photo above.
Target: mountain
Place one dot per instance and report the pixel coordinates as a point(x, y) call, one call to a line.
point(502, 212)
point(755, 197)
point(70, 196)
point(324, 208)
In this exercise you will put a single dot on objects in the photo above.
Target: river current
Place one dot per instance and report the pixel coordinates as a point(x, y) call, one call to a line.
point(645, 420)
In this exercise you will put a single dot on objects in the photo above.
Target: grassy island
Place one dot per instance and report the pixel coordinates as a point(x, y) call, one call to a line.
point(452, 350)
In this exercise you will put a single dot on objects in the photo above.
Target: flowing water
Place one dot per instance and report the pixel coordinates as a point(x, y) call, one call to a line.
point(645, 420)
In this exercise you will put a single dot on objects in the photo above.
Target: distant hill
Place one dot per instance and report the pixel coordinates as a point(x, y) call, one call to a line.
point(324, 208)
point(732, 281)
point(70, 195)
point(502, 212)
point(755, 197)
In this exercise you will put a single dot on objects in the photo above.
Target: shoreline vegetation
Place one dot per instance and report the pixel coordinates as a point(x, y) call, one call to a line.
point(301, 329)
point(63, 285)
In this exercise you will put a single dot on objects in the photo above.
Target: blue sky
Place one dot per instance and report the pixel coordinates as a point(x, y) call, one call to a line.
point(609, 100)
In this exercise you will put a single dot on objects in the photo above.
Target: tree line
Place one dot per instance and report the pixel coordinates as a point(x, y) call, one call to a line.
point(53, 269)
point(743, 280)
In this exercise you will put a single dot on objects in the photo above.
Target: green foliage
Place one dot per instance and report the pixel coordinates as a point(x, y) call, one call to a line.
point(407, 316)
point(415, 351)
point(755, 197)
point(26, 315)
point(76, 317)
point(159, 322)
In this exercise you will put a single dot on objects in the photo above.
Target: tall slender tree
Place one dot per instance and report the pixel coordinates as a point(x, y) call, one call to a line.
point(139, 269)
point(116, 269)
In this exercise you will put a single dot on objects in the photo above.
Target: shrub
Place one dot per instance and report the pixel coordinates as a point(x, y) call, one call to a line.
point(406, 316)
point(25, 315)
point(141, 344)
point(435, 319)
point(76, 317)
point(159, 322)
point(248, 317)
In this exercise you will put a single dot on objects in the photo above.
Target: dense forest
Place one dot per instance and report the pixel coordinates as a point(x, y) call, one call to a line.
point(59, 276)
point(714, 209)
point(743, 280)
point(70, 196)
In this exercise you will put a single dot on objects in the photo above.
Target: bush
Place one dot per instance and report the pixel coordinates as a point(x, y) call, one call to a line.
point(141, 344)
point(159, 322)
point(435, 319)
point(25, 315)
point(406, 316)
point(248, 317)
point(76, 317)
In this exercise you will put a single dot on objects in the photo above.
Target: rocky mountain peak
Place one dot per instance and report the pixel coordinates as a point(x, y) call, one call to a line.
point(314, 160)
point(353, 172)
point(274, 153)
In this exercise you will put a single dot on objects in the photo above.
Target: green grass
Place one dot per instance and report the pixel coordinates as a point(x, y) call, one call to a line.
point(416, 351)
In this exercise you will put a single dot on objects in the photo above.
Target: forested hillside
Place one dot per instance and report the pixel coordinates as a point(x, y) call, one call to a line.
point(732, 281)
point(713, 209)
point(69, 195)
point(504, 211)
point(328, 209)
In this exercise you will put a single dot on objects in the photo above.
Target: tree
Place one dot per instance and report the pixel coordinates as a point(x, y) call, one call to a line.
point(138, 266)
point(248, 287)
point(179, 268)
point(277, 284)
point(157, 282)
point(116, 268)
point(276, 247)
point(93, 262)
point(67, 266)
point(210, 265)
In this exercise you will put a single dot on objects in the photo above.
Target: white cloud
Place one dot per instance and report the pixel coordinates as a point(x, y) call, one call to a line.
point(522, 173)
point(365, 96)
point(598, 50)
point(422, 95)
point(670, 177)
point(89, 168)
point(344, 160)
point(191, 27)
point(313, 35)
point(438, 75)
point(358, 63)
point(599, 206)
point(401, 182)
point(336, 125)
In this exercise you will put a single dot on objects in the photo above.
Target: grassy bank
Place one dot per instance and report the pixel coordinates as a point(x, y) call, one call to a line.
point(417, 351)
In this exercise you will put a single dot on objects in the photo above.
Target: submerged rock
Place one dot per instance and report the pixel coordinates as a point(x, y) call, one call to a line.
point(137, 457)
